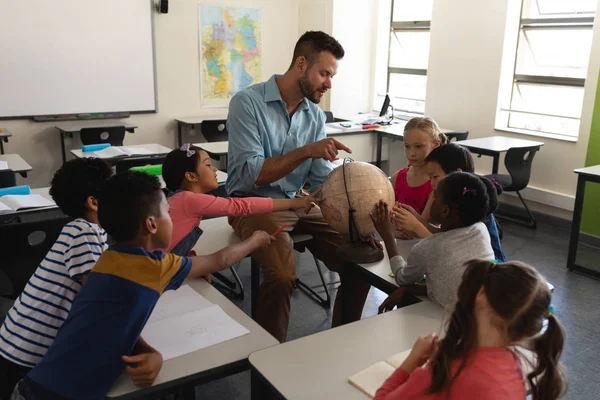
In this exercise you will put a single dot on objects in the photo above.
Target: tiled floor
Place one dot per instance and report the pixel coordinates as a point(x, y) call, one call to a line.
point(576, 299)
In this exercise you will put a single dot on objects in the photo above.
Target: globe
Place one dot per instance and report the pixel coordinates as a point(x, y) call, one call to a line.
point(365, 186)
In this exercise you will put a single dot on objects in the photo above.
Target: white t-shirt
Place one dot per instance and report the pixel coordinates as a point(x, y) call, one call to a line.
point(33, 321)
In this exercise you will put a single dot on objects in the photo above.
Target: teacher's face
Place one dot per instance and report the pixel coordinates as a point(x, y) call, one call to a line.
point(316, 78)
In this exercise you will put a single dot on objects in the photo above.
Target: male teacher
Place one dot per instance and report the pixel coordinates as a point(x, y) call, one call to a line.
point(276, 143)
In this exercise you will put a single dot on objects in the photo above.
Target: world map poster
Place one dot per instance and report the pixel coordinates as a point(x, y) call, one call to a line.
point(230, 51)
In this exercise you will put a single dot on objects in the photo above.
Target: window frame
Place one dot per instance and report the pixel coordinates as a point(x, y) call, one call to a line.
point(581, 21)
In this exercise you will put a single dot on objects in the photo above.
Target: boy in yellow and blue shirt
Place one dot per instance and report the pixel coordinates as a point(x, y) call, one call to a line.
point(102, 331)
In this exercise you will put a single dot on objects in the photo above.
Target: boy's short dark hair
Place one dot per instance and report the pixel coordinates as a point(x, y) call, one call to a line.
point(314, 42)
point(452, 157)
point(77, 180)
point(127, 200)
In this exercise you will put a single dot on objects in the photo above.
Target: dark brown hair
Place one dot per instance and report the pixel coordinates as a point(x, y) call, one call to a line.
point(312, 43)
point(521, 314)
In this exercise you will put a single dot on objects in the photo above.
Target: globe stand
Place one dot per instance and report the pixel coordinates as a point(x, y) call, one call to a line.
point(359, 253)
point(356, 250)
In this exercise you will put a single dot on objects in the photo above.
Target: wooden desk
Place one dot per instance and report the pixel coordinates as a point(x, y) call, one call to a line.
point(318, 366)
point(494, 145)
point(69, 128)
point(4, 135)
point(16, 163)
point(589, 174)
point(204, 365)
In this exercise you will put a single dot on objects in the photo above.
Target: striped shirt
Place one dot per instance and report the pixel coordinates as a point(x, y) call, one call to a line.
point(33, 322)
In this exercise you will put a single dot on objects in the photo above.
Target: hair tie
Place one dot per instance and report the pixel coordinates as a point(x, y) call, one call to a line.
point(551, 311)
point(494, 181)
point(494, 263)
point(188, 152)
point(465, 191)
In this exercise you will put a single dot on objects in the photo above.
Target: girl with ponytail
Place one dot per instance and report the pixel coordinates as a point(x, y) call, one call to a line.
point(500, 307)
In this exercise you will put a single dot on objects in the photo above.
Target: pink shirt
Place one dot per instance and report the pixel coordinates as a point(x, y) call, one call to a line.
point(491, 373)
point(187, 209)
point(416, 196)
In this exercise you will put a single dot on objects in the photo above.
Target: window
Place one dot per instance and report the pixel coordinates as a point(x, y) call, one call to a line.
point(407, 57)
point(549, 70)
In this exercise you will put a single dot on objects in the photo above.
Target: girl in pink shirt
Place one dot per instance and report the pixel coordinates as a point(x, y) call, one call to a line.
point(411, 184)
point(189, 175)
point(500, 306)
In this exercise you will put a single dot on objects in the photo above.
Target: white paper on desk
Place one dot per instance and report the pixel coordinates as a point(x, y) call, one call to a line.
point(110, 152)
point(22, 201)
point(137, 151)
point(176, 336)
point(3, 165)
point(174, 303)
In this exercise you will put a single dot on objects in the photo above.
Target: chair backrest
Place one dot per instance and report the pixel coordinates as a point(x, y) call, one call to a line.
point(8, 178)
point(329, 117)
point(518, 163)
point(124, 165)
point(27, 244)
point(214, 130)
point(457, 136)
point(113, 135)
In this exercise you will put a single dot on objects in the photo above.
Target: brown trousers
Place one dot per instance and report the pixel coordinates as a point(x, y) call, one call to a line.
point(278, 264)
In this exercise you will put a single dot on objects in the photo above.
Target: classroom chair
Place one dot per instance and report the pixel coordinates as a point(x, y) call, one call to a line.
point(8, 178)
point(329, 117)
point(114, 135)
point(457, 136)
point(29, 242)
point(126, 164)
point(214, 130)
point(518, 164)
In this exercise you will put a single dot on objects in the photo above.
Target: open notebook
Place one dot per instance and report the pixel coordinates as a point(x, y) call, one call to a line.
point(122, 151)
point(371, 378)
point(183, 321)
point(15, 202)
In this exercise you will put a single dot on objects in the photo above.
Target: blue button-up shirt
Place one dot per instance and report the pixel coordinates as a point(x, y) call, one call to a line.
point(260, 127)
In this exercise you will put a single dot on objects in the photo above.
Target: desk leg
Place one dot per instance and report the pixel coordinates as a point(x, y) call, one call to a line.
point(576, 224)
point(179, 134)
point(1, 146)
point(496, 162)
point(379, 148)
point(348, 280)
point(62, 147)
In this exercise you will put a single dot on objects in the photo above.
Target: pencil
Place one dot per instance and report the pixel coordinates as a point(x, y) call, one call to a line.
point(279, 230)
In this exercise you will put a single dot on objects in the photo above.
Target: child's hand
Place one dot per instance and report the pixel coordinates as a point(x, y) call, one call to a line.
point(399, 206)
point(376, 244)
point(261, 239)
point(402, 235)
point(143, 368)
point(423, 349)
point(406, 221)
point(392, 301)
point(310, 201)
point(381, 219)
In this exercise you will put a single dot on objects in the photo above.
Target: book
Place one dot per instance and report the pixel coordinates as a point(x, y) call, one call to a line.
point(15, 202)
point(372, 378)
point(183, 321)
point(122, 151)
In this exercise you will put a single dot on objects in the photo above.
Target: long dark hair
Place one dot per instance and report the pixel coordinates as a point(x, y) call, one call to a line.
point(177, 163)
point(522, 314)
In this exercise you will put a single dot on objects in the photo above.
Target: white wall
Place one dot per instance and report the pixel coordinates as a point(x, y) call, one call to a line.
point(177, 62)
point(467, 39)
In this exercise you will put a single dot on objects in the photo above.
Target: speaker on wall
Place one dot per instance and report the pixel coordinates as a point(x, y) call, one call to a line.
point(163, 6)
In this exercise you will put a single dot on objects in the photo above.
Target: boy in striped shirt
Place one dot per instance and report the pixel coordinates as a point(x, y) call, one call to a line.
point(36, 316)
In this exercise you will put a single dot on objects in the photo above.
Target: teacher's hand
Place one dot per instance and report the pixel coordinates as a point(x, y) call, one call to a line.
point(326, 148)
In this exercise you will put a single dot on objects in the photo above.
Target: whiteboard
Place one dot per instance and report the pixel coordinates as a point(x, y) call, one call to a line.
point(76, 56)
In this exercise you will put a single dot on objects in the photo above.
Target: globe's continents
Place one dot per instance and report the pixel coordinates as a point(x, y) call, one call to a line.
point(366, 185)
